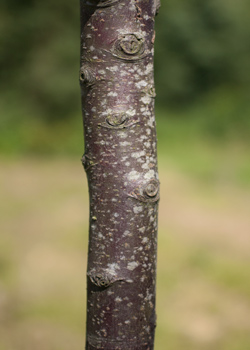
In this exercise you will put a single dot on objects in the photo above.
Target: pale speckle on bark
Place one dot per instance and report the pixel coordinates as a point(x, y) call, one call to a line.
point(117, 89)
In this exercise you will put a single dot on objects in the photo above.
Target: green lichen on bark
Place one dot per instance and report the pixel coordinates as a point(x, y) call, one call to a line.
point(117, 85)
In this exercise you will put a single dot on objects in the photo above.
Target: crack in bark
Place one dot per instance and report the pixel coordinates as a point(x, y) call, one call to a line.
point(138, 11)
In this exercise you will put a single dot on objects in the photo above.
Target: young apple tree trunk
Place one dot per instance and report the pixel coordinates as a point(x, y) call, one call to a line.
point(117, 85)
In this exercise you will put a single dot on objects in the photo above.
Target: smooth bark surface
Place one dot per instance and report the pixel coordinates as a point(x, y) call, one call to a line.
point(117, 84)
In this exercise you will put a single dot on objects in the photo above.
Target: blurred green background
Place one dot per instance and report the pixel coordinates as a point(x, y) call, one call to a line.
point(202, 73)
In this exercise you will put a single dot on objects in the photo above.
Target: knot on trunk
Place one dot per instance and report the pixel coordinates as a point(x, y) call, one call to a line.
point(118, 120)
point(130, 47)
point(130, 44)
point(103, 277)
point(101, 280)
point(87, 75)
point(150, 91)
point(148, 192)
point(87, 162)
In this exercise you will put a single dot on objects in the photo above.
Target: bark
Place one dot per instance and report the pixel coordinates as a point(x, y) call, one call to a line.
point(117, 86)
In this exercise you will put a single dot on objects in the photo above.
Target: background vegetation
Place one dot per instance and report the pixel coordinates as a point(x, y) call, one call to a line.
point(202, 71)
point(202, 75)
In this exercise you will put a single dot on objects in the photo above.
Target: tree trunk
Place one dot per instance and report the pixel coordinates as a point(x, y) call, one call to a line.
point(117, 85)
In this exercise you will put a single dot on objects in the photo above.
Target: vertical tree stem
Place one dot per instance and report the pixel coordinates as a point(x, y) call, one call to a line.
point(117, 85)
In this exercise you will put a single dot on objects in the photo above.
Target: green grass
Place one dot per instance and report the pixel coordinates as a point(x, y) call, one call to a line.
point(203, 290)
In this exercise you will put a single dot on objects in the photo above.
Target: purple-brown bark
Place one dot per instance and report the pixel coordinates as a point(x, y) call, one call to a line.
point(117, 84)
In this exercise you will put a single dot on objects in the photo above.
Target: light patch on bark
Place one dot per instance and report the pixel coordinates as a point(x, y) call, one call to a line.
point(141, 84)
point(132, 265)
point(149, 175)
point(134, 175)
point(137, 210)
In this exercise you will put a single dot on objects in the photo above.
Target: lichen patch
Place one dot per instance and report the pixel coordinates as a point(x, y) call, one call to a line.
point(132, 265)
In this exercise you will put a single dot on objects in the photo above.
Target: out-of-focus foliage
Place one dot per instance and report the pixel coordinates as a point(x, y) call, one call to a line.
point(202, 45)
point(39, 57)
point(202, 70)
